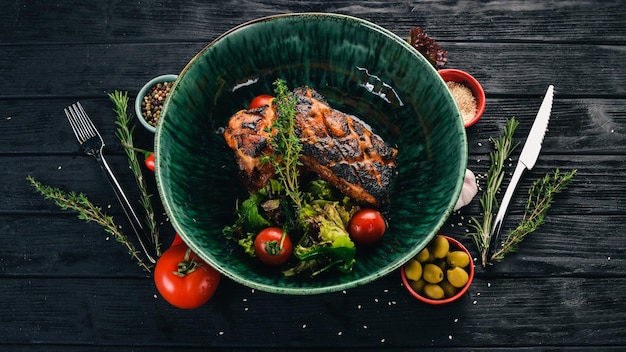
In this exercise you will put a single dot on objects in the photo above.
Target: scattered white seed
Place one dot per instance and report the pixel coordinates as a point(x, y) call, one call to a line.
point(358, 307)
point(220, 333)
point(382, 340)
point(59, 168)
point(608, 258)
point(155, 296)
point(9, 117)
point(474, 302)
point(364, 326)
point(480, 144)
point(246, 309)
point(245, 299)
point(304, 326)
point(376, 300)
point(489, 284)
point(340, 333)
point(456, 320)
point(477, 293)
point(449, 337)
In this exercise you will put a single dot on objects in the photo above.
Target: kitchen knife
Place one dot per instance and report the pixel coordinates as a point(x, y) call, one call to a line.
point(527, 159)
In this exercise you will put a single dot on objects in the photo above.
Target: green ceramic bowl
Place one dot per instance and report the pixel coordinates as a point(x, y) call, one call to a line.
point(361, 69)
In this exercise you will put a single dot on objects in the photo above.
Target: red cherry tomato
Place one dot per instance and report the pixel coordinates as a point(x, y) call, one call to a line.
point(267, 246)
point(183, 279)
point(260, 101)
point(150, 161)
point(366, 226)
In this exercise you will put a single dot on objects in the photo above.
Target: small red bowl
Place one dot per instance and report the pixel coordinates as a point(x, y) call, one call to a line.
point(454, 245)
point(458, 76)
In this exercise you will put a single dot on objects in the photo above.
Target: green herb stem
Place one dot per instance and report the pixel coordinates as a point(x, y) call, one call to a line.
point(89, 212)
point(125, 134)
point(503, 147)
point(541, 197)
point(287, 146)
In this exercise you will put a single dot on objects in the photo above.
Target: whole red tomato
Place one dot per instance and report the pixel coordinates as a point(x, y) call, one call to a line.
point(272, 246)
point(260, 100)
point(366, 226)
point(183, 279)
point(149, 161)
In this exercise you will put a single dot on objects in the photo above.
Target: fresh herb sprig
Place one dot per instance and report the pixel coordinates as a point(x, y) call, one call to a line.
point(89, 212)
point(125, 134)
point(541, 197)
point(286, 145)
point(503, 147)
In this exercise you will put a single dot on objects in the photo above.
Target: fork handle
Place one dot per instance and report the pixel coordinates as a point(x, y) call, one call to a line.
point(128, 209)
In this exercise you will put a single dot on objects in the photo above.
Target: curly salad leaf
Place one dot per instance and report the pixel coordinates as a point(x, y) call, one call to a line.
point(319, 228)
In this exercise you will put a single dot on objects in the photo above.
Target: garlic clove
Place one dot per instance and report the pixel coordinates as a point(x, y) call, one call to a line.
point(469, 190)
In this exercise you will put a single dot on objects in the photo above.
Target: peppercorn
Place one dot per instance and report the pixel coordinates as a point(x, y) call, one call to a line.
point(152, 103)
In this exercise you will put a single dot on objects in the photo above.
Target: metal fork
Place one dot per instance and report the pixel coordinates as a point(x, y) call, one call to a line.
point(92, 143)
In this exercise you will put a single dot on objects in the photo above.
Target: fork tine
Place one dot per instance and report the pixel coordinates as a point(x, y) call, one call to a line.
point(81, 124)
point(91, 128)
point(74, 124)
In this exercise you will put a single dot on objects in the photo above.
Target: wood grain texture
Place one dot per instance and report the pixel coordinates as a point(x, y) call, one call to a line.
point(97, 312)
point(66, 286)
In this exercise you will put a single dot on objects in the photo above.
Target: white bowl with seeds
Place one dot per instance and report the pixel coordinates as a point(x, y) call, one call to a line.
point(151, 98)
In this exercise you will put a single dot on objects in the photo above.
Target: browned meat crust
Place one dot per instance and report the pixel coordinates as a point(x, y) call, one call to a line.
point(338, 147)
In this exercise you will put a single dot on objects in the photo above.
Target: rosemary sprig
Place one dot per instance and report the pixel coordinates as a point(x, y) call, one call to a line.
point(287, 147)
point(503, 147)
point(125, 134)
point(89, 212)
point(541, 197)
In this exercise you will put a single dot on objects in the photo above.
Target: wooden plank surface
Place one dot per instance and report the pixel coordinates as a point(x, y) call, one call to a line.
point(66, 286)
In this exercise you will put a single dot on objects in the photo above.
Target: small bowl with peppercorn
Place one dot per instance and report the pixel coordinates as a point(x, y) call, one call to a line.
point(151, 98)
point(468, 94)
point(440, 273)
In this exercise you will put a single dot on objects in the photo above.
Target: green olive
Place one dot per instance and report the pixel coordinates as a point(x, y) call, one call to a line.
point(418, 285)
point(448, 289)
point(457, 277)
point(434, 291)
point(432, 273)
point(423, 255)
point(439, 247)
point(458, 258)
point(413, 270)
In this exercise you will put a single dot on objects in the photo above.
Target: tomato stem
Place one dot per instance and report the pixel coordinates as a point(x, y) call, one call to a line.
point(187, 266)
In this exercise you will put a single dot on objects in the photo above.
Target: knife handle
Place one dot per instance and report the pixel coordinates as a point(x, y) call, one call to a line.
point(504, 205)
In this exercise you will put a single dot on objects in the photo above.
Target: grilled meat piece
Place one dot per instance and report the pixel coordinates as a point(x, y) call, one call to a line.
point(340, 148)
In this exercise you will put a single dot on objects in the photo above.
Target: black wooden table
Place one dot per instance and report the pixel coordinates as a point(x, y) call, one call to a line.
point(65, 285)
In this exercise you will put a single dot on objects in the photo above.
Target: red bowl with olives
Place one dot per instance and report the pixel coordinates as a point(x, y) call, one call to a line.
point(151, 98)
point(440, 273)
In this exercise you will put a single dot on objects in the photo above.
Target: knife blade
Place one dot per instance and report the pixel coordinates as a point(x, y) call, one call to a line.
point(527, 159)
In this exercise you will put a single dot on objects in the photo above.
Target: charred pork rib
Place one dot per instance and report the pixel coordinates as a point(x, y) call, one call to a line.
point(338, 147)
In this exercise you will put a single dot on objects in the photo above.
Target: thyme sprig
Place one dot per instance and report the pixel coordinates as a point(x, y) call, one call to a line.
point(286, 145)
point(541, 197)
point(503, 147)
point(89, 212)
point(125, 134)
